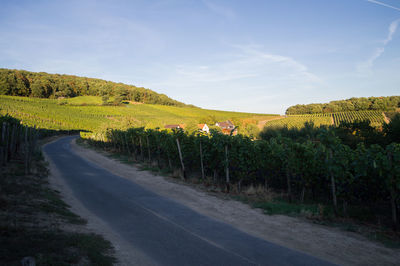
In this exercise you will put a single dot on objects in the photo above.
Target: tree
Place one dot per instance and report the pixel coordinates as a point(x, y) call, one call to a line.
point(392, 129)
point(41, 89)
point(105, 99)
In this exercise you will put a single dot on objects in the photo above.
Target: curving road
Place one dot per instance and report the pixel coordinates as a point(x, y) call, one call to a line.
point(166, 231)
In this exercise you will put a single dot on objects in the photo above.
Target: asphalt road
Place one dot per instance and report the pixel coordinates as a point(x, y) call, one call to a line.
point(166, 231)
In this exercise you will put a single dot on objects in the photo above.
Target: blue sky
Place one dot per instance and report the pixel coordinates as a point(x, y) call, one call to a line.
point(255, 56)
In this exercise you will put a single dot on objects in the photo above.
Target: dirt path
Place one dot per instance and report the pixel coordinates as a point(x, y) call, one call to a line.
point(332, 244)
point(262, 123)
point(387, 120)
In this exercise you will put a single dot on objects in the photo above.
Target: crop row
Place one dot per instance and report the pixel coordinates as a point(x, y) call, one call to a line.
point(297, 121)
point(323, 169)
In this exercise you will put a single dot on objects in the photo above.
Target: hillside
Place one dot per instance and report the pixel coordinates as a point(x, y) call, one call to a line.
point(85, 113)
point(377, 110)
point(389, 103)
point(44, 85)
point(377, 118)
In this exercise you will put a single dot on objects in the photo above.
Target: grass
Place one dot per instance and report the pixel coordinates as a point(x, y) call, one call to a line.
point(53, 204)
point(33, 222)
point(52, 247)
point(84, 100)
point(282, 207)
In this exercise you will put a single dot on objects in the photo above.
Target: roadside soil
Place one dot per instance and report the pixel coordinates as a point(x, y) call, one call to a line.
point(332, 244)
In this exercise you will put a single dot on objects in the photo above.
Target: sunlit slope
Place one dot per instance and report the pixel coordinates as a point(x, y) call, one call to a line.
point(86, 113)
point(297, 121)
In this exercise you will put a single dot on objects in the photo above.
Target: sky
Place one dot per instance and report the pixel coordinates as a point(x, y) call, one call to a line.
point(259, 56)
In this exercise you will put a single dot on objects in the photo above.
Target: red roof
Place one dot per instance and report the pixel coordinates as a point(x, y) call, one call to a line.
point(171, 126)
point(226, 125)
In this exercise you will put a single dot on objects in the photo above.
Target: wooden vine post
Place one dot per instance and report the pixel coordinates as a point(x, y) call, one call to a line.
point(134, 146)
point(148, 147)
point(227, 168)
point(333, 184)
point(201, 161)
point(181, 159)
point(4, 143)
point(141, 148)
point(127, 144)
point(288, 173)
point(11, 143)
point(392, 193)
point(26, 146)
point(158, 154)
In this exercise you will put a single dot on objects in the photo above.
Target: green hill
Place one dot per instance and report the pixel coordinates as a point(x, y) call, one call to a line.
point(377, 118)
point(86, 113)
point(377, 110)
point(389, 103)
point(44, 85)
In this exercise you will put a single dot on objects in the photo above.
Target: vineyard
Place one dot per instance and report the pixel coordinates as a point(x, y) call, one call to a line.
point(318, 168)
point(321, 170)
point(297, 121)
point(376, 117)
point(17, 142)
point(65, 114)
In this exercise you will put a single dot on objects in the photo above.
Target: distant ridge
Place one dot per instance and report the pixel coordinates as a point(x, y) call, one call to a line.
point(389, 103)
point(43, 85)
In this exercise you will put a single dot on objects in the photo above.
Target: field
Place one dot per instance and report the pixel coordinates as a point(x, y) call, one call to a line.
point(86, 113)
point(318, 168)
point(297, 121)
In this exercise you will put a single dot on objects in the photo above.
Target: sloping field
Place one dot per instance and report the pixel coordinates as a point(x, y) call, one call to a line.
point(297, 121)
point(76, 114)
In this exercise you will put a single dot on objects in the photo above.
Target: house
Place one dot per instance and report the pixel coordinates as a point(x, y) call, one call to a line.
point(174, 126)
point(204, 128)
point(226, 127)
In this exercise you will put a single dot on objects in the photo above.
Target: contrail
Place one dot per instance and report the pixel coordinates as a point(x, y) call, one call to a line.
point(383, 4)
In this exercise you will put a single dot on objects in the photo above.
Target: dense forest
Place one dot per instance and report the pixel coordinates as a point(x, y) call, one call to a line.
point(389, 103)
point(44, 85)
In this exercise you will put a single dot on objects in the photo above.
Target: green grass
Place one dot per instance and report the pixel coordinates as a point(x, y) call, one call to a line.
point(54, 204)
point(73, 114)
point(282, 207)
point(84, 100)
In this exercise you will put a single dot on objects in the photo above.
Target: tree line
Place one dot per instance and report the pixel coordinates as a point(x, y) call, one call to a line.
point(311, 164)
point(44, 85)
point(389, 103)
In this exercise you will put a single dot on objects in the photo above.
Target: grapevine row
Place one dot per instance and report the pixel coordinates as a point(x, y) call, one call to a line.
point(297, 121)
point(323, 169)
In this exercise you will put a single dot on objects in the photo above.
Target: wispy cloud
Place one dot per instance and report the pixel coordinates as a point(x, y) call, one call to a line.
point(300, 69)
point(247, 79)
point(220, 10)
point(383, 4)
point(392, 30)
point(366, 66)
